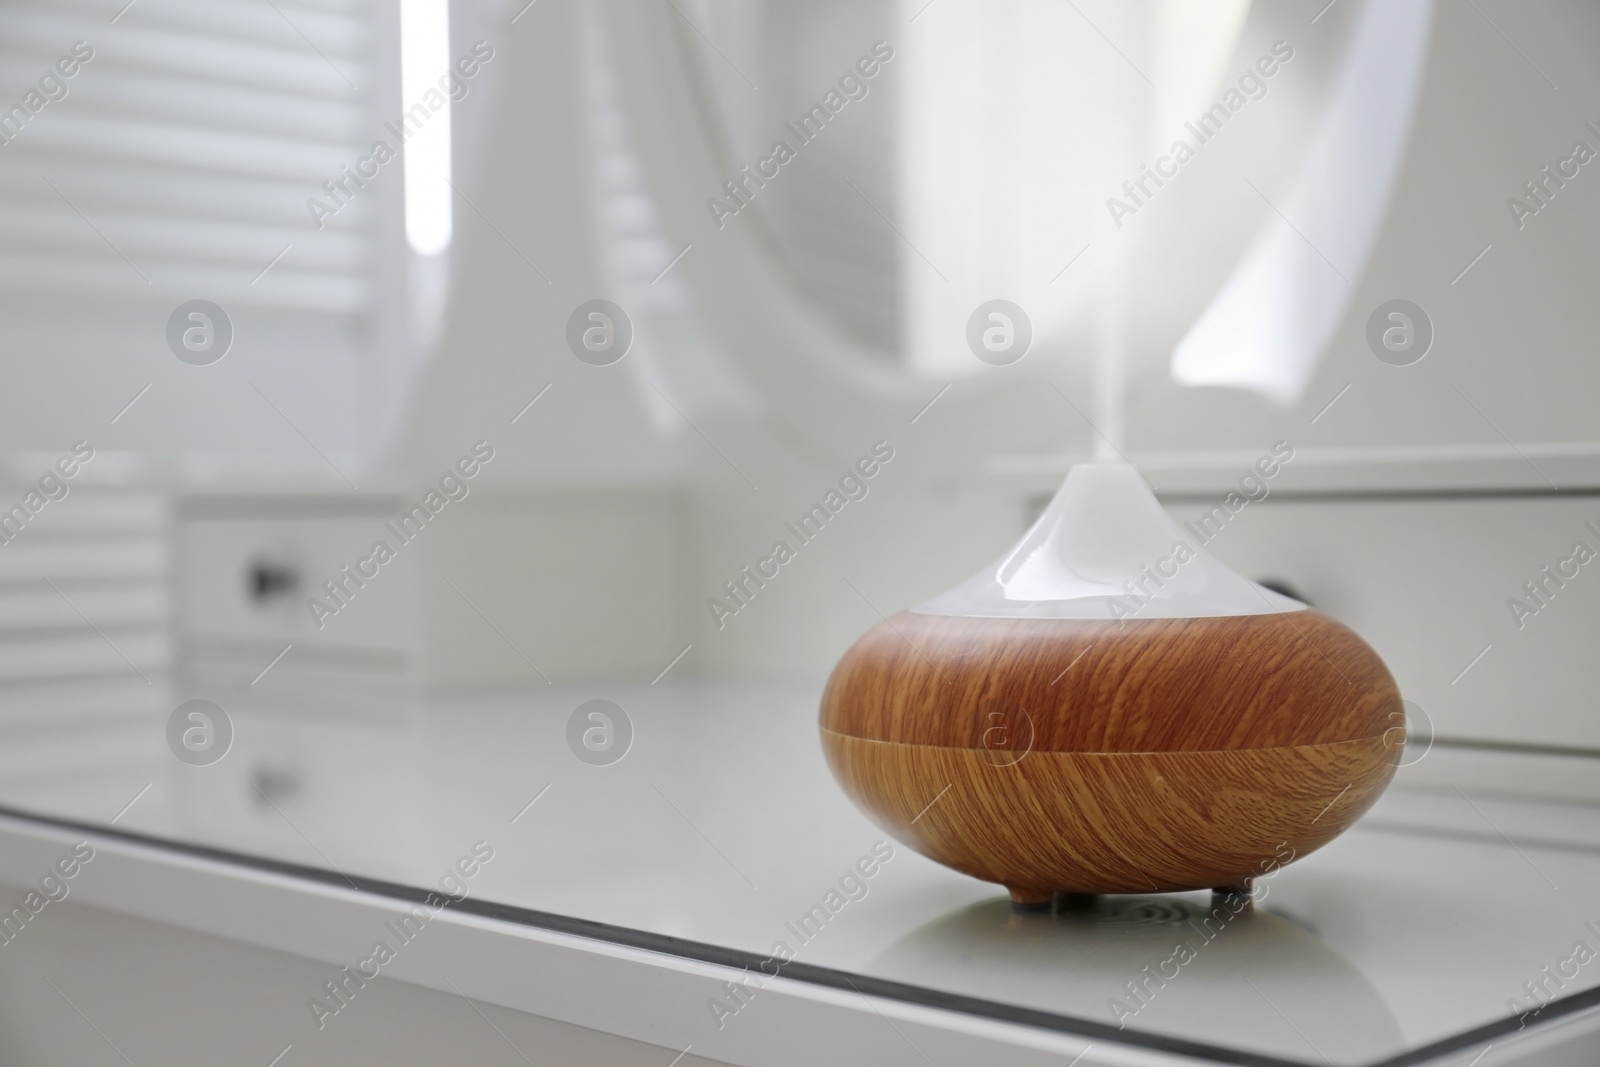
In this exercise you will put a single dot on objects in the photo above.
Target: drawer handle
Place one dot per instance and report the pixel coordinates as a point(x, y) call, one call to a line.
point(268, 581)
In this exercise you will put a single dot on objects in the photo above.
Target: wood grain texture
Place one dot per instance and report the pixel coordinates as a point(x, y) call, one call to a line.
point(1112, 822)
point(1155, 685)
point(1093, 756)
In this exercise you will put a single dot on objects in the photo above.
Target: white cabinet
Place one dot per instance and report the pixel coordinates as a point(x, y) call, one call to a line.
point(492, 591)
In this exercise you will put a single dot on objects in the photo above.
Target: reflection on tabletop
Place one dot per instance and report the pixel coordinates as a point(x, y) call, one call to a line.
point(721, 825)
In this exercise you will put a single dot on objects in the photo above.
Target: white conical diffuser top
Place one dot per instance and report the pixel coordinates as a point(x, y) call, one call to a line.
point(1105, 549)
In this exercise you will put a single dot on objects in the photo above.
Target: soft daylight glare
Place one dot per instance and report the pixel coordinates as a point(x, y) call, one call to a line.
point(1277, 313)
point(424, 55)
point(995, 165)
point(1193, 42)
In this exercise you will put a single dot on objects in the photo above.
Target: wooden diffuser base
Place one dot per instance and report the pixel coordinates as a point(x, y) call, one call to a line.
point(1088, 756)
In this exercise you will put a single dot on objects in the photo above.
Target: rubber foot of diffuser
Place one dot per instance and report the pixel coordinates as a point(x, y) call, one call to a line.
point(1030, 900)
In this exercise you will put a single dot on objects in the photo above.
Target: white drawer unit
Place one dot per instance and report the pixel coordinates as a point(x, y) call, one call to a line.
point(248, 566)
point(495, 591)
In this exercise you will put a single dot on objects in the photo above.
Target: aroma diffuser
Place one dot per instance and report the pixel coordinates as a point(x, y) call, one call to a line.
point(1110, 710)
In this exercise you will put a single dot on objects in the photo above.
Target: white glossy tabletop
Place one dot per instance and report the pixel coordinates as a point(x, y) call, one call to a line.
point(723, 826)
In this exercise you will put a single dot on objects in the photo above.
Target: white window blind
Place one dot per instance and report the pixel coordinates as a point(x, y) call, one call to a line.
point(177, 164)
point(191, 140)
